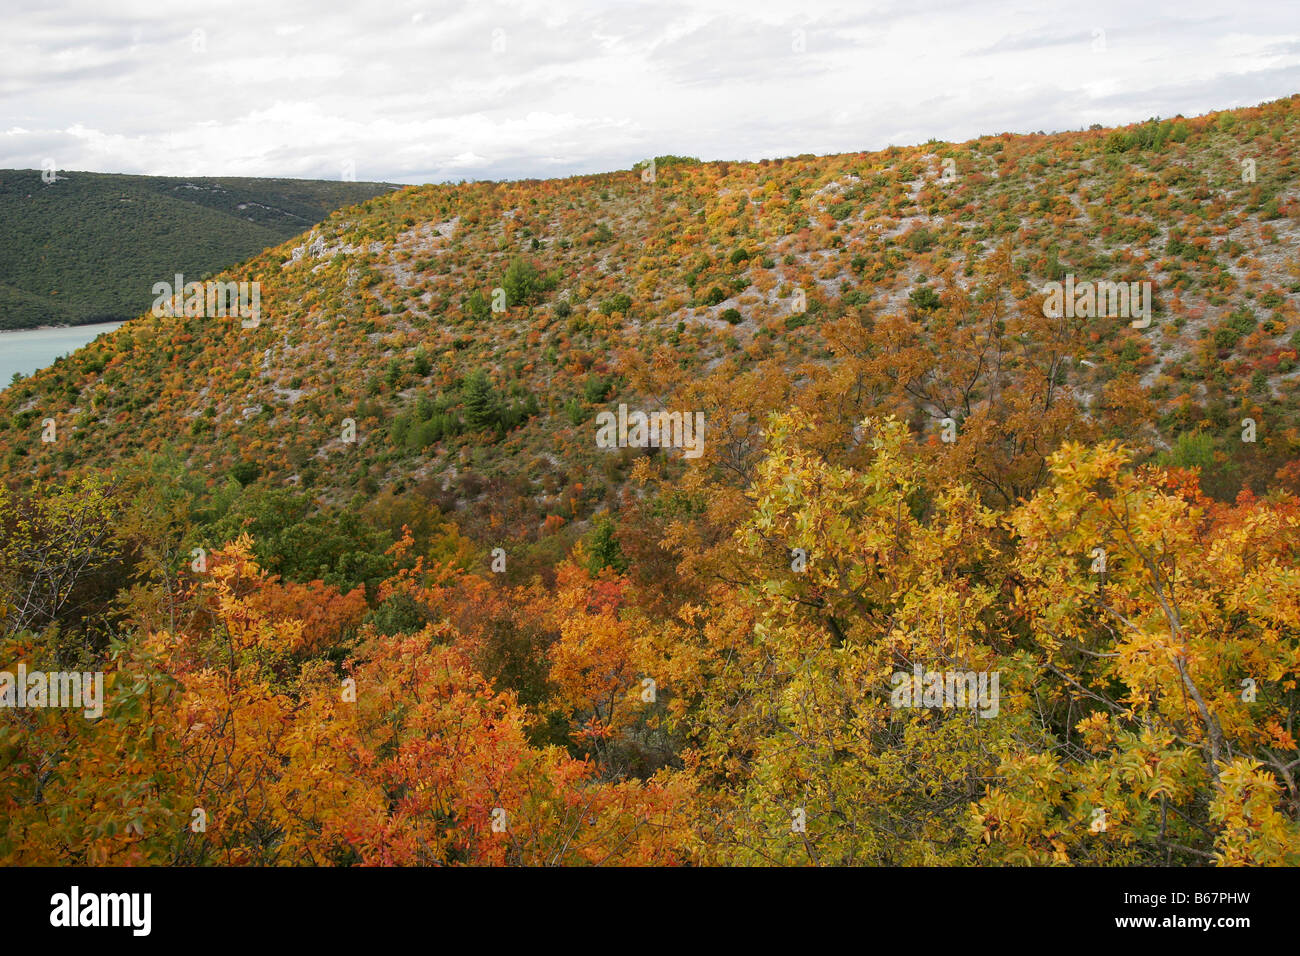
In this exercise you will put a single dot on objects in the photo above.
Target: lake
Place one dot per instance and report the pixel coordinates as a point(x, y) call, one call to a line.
point(30, 349)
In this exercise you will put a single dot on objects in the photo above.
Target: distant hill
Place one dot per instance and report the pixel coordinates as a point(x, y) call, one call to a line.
point(87, 247)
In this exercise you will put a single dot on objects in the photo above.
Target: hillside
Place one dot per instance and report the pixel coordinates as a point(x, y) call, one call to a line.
point(384, 313)
point(382, 533)
point(87, 247)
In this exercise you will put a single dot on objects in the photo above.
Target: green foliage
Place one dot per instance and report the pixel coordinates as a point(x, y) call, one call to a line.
point(597, 389)
point(64, 260)
point(669, 160)
point(478, 306)
point(603, 549)
point(246, 472)
point(393, 372)
point(479, 400)
point(621, 302)
point(483, 408)
point(924, 299)
point(920, 240)
point(1240, 322)
point(420, 364)
point(1150, 135)
point(397, 614)
point(525, 284)
point(298, 539)
point(62, 558)
point(1192, 450)
point(428, 422)
point(1219, 475)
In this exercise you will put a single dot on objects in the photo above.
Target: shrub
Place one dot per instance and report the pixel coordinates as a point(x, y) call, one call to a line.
point(920, 240)
point(616, 303)
point(1192, 450)
point(596, 389)
point(246, 472)
point(477, 305)
point(924, 299)
point(525, 284)
point(576, 411)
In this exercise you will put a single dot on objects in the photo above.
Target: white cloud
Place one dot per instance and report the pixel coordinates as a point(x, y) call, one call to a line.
point(419, 92)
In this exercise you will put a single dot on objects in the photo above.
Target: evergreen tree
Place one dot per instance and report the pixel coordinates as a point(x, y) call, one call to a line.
point(480, 403)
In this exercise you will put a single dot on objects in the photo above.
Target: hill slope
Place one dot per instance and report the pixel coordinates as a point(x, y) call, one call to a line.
point(87, 247)
point(958, 576)
point(624, 289)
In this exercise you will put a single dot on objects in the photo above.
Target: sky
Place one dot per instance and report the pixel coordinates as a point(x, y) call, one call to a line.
point(421, 92)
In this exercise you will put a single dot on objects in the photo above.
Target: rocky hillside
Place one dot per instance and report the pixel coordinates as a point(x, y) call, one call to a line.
point(469, 334)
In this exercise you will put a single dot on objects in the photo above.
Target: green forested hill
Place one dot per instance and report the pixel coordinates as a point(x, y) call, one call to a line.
point(87, 247)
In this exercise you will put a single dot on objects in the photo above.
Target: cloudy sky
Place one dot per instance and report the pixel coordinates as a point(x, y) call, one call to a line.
point(423, 92)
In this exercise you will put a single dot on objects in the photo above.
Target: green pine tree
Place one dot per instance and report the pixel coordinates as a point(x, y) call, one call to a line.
point(479, 401)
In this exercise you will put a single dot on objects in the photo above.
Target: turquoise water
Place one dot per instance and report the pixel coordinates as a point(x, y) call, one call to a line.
point(30, 349)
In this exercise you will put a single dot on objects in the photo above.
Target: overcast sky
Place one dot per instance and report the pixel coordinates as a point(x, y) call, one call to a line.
point(421, 92)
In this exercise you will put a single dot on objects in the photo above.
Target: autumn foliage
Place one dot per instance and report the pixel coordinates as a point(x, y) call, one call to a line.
point(472, 636)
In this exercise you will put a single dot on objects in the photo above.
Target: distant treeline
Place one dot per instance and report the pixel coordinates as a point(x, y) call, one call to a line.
point(87, 247)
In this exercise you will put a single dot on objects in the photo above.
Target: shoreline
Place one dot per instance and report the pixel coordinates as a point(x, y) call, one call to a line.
point(55, 328)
